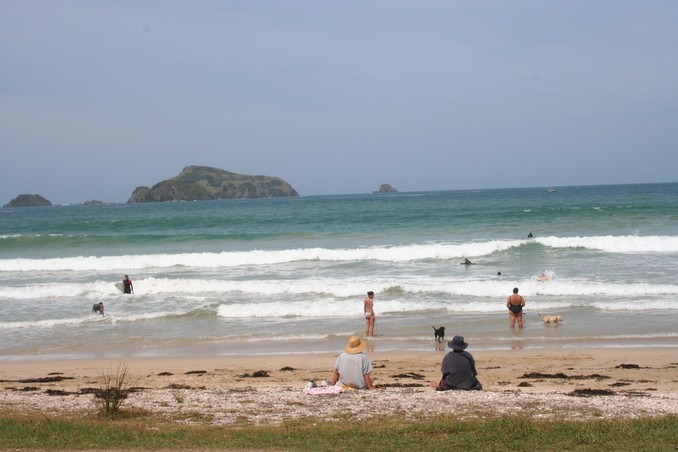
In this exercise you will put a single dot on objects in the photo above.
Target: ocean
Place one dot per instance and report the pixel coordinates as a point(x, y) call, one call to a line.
point(289, 275)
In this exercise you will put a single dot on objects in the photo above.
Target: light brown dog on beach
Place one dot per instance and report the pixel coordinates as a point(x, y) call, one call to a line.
point(551, 318)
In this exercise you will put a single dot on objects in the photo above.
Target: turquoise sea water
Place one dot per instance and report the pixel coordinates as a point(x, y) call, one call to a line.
point(288, 275)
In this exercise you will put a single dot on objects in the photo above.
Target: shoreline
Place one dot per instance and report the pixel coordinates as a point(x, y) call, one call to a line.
point(236, 350)
point(594, 383)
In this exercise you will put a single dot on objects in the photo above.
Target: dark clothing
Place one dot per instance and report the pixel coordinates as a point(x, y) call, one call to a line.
point(459, 372)
point(95, 308)
point(516, 308)
point(127, 286)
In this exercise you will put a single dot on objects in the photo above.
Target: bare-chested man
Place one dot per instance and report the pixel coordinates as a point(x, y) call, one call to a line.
point(368, 308)
point(515, 304)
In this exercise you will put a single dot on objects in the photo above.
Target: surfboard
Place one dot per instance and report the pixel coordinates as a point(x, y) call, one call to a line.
point(120, 286)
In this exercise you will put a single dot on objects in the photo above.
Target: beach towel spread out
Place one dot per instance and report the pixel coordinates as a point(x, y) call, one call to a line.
point(324, 390)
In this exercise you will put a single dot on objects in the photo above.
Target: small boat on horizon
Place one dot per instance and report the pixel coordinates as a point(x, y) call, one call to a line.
point(552, 190)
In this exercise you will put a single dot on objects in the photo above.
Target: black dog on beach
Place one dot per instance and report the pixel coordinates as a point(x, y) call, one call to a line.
point(439, 334)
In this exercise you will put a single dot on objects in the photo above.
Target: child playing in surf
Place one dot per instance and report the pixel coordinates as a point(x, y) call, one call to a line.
point(98, 308)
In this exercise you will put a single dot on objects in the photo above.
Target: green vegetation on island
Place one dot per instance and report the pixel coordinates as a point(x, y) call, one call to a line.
point(199, 183)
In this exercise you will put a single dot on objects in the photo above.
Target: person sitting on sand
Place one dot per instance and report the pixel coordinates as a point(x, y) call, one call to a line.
point(353, 368)
point(98, 308)
point(458, 368)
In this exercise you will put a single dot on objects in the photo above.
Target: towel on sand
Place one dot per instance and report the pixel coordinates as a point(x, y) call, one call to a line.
point(324, 390)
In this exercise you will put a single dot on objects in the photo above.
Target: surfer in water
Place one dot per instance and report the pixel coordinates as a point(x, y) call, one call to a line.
point(98, 308)
point(128, 286)
point(515, 304)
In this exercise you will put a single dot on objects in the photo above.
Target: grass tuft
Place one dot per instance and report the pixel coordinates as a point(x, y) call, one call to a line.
point(114, 388)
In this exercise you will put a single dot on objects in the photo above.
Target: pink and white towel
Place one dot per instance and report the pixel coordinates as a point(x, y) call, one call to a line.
point(324, 390)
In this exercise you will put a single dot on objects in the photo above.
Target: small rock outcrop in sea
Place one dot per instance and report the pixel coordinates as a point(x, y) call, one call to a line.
point(199, 183)
point(386, 188)
point(28, 201)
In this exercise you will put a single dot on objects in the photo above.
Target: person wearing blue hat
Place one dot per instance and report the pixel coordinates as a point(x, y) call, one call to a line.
point(458, 368)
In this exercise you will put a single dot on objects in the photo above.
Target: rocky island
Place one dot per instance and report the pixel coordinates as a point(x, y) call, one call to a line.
point(386, 188)
point(199, 183)
point(28, 201)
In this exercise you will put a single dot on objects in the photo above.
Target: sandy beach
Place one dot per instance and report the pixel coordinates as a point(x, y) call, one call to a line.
point(540, 384)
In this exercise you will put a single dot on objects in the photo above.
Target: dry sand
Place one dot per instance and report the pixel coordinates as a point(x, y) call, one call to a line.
point(541, 384)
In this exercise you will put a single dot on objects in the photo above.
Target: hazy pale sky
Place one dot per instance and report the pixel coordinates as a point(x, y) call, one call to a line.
point(335, 97)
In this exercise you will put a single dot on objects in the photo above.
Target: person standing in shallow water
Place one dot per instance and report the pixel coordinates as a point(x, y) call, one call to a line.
point(370, 318)
point(128, 287)
point(515, 304)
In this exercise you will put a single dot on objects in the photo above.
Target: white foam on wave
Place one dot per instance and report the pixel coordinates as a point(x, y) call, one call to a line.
point(413, 286)
point(127, 263)
point(406, 253)
point(114, 318)
point(49, 323)
point(616, 244)
point(351, 309)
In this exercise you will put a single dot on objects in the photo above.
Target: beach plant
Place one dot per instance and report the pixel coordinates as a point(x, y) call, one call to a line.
point(178, 397)
point(114, 388)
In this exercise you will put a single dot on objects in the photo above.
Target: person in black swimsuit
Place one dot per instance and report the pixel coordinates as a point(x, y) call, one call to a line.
point(515, 304)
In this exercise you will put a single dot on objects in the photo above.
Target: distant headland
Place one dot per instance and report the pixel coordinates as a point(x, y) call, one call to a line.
point(194, 183)
point(198, 183)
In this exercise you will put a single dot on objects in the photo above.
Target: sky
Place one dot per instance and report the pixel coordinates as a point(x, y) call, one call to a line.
point(98, 97)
